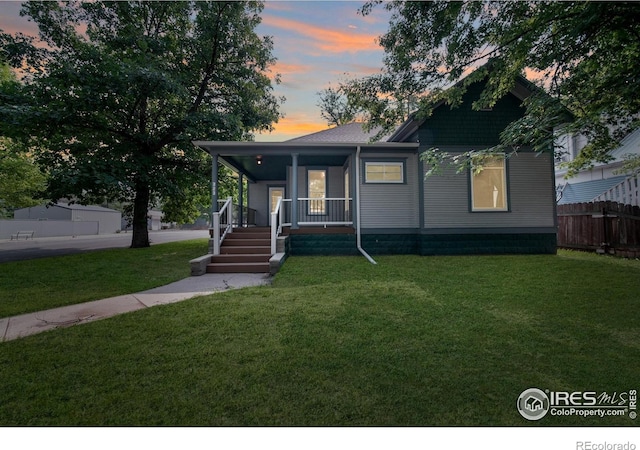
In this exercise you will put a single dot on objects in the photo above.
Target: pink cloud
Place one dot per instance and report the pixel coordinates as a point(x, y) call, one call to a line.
point(326, 40)
point(291, 127)
point(288, 69)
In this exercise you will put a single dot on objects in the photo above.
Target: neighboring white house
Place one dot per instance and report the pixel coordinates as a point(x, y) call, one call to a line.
point(107, 220)
point(603, 181)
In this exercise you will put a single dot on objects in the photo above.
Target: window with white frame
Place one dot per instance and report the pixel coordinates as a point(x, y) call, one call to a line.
point(489, 185)
point(383, 172)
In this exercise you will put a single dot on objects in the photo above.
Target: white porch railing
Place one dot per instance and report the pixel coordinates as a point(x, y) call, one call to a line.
point(625, 192)
point(222, 223)
point(276, 225)
point(311, 211)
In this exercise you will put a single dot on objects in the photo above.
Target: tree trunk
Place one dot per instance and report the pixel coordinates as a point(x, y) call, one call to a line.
point(140, 237)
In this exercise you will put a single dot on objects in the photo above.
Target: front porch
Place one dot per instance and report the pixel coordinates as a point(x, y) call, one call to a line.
point(294, 188)
point(290, 190)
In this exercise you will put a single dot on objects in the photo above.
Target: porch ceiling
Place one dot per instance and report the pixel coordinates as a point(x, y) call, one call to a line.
point(274, 167)
point(276, 156)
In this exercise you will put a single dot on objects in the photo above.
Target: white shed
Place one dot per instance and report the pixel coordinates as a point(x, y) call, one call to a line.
point(108, 219)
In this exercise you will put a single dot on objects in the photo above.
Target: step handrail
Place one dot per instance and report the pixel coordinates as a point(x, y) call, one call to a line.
point(224, 212)
point(276, 225)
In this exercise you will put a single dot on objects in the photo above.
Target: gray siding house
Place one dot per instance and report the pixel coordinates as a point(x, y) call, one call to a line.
point(335, 192)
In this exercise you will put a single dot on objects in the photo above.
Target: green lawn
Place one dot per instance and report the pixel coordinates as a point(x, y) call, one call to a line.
point(338, 341)
point(35, 285)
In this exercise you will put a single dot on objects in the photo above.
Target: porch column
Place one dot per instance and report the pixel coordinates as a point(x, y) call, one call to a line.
point(214, 183)
point(294, 191)
point(215, 225)
point(240, 200)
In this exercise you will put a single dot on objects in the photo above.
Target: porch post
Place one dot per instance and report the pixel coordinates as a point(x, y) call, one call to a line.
point(214, 183)
point(214, 240)
point(294, 191)
point(240, 200)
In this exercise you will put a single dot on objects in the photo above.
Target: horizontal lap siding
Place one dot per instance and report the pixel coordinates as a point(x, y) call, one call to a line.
point(391, 205)
point(531, 197)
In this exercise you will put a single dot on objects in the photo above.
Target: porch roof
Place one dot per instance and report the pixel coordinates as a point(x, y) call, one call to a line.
point(276, 156)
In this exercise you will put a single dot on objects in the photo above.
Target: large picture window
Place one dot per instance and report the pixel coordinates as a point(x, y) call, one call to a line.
point(489, 186)
point(383, 172)
point(317, 191)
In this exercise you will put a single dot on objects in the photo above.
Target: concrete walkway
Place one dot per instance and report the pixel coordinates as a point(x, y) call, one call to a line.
point(27, 324)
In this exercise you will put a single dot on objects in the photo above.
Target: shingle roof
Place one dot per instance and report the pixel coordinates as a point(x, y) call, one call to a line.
point(349, 133)
point(587, 190)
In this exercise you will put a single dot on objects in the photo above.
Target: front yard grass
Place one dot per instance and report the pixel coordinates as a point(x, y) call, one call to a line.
point(338, 341)
point(39, 284)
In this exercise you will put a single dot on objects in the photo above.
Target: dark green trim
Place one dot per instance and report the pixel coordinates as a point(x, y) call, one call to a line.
point(421, 198)
point(463, 125)
point(489, 244)
point(553, 186)
point(501, 230)
point(391, 244)
point(323, 244)
point(425, 244)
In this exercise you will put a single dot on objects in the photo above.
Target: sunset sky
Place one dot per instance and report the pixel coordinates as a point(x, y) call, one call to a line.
point(317, 44)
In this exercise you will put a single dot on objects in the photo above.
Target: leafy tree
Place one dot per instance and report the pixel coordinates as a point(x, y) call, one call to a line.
point(585, 55)
point(21, 181)
point(115, 98)
point(345, 104)
point(335, 107)
point(193, 202)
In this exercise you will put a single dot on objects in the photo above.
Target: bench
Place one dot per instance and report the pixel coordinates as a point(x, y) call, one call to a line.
point(25, 234)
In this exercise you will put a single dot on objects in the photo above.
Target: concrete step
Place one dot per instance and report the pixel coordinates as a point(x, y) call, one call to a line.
point(255, 267)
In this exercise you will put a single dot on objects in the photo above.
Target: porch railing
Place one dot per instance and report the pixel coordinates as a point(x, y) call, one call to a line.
point(319, 211)
point(222, 223)
point(311, 211)
point(248, 216)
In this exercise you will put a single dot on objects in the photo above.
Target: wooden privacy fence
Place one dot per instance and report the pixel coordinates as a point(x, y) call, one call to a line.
point(606, 227)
